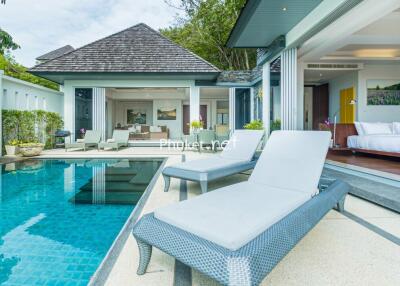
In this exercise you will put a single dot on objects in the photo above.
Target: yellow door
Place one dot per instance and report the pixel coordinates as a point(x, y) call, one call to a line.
point(347, 110)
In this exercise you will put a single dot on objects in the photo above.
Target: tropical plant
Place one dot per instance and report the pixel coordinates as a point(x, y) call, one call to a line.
point(204, 29)
point(13, 142)
point(30, 126)
point(6, 42)
point(254, 125)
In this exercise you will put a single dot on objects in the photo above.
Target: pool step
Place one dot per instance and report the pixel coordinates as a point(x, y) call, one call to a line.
point(118, 178)
point(116, 187)
point(120, 198)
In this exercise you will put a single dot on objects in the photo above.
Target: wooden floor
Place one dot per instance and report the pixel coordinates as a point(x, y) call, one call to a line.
point(380, 163)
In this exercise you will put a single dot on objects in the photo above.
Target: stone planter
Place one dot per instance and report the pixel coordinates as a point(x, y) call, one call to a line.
point(12, 150)
point(31, 150)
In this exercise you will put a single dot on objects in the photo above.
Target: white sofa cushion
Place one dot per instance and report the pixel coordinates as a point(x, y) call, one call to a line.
point(234, 215)
point(155, 129)
point(293, 160)
point(396, 128)
point(371, 128)
point(242, 145)
point(358, 127)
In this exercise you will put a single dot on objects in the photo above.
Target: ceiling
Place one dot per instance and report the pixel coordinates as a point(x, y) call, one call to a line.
point(316, 77)
point(262, 21)
point(377, 41)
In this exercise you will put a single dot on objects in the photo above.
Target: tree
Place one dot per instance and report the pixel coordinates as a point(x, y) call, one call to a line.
point(6, 42)
point(204, 29)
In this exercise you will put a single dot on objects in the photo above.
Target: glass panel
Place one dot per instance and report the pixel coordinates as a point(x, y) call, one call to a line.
point(242, 107)
point(222, 112)
point(83, 110)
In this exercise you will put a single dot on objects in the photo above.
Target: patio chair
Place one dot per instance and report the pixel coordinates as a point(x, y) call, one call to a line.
point(239, 233)
point(207, 139)
point(237, 156)
point(91, 139)
point(119, 139)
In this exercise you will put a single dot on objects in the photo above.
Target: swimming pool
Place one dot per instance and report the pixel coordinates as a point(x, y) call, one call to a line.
point(58, 218)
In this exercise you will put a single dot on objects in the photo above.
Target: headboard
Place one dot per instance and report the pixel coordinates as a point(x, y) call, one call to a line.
point(343, 130)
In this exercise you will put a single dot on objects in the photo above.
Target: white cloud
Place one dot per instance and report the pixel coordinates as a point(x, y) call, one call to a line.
point(44, 25)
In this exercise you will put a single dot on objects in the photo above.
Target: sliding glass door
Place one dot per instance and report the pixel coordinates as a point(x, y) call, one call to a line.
point(83, 110)
point(242, 107)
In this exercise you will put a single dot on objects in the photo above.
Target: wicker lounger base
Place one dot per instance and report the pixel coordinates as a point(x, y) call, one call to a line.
point(204, 177)
point(83, 146)
point(251, 263)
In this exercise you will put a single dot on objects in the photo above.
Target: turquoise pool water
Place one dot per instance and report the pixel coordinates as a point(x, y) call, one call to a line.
point(58, 218)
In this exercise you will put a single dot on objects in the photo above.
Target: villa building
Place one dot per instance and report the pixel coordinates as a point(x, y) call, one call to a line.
point(137, 77)
point(317, 61)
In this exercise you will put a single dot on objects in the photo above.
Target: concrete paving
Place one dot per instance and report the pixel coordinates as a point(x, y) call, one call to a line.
point(338, 251)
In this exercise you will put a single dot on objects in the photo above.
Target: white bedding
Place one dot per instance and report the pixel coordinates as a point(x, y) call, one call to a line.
point(375, 142)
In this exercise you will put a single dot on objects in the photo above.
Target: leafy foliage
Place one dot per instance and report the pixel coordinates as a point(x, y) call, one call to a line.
point(13, 69)
point(204, 30)
point(6, 42)
point(30, 126)
point(254, 125)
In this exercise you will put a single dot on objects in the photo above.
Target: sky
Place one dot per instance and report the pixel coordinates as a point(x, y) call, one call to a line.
point(40, 26)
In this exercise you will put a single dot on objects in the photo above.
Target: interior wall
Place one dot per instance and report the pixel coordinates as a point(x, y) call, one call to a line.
point(123, 105)
point(335, 86)
point(376, 113)
point(174, 126)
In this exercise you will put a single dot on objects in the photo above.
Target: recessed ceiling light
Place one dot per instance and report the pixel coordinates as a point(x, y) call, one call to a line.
point(284, 9)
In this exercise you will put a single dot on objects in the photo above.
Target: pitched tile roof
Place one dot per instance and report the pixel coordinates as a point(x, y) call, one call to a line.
point(138, 49)
point(56, 53)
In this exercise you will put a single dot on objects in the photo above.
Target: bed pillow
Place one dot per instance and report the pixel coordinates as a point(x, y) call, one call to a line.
point(359, 129)
point(396, 128)
point(370, 128)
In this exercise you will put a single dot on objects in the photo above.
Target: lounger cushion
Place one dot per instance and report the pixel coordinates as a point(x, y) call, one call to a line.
point(242, 145)
point(207, 164)
point(234, 215)
point(293, 160)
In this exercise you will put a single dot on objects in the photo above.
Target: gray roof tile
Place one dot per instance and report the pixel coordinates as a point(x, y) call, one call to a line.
point(56, 53)
point(138, 49)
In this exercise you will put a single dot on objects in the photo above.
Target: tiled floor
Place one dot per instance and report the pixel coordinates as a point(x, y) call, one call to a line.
point(338, 251)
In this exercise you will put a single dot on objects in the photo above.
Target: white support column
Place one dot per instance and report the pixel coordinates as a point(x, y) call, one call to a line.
point(69, 110)
point(194, 103)
point(252, 115)
point(232, 108)
point(266, 100)
point(289, 89)
point(300, 96)
point(99, 110)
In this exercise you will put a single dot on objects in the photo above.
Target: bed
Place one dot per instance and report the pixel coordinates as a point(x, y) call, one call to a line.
point(375, 138)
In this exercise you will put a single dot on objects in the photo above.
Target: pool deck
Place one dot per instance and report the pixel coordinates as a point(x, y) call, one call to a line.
point(359, 247)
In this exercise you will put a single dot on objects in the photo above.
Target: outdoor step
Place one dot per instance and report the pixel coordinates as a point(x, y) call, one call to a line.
point(120, 198)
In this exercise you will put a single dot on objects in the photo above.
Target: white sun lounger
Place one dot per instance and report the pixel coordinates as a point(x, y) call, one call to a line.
point(237, 156)
point(237, 234)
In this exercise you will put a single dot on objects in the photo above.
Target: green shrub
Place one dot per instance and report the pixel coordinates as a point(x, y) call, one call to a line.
point(254, 125)
point(276, 125)
point(196, 124)
point(20, 126)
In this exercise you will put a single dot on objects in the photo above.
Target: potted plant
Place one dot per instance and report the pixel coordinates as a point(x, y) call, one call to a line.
point(12, 147)
point(196, 125)
point(254, 125)
point(30, 149)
